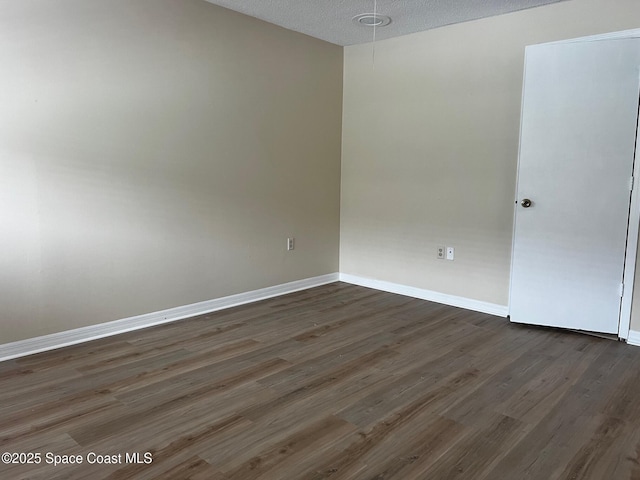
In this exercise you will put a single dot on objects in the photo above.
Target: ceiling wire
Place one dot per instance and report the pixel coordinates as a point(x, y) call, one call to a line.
point(373, 47)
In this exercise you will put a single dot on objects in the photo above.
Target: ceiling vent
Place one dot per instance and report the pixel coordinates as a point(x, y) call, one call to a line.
point(371, 20)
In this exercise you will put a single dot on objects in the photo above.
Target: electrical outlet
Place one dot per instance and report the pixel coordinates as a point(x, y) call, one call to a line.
point(450, 253)
point(441, 253)
point(291, 243)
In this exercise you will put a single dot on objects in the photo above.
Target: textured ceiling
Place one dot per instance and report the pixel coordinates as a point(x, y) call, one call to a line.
point(330, 20)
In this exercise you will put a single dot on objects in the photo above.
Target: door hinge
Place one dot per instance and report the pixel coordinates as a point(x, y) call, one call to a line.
point(621, 290)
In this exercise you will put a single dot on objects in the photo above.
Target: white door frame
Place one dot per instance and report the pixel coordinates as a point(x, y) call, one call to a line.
point(634, 212)
point(632, 246)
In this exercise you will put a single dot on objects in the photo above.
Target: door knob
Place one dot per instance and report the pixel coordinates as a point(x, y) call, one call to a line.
point(526, 203)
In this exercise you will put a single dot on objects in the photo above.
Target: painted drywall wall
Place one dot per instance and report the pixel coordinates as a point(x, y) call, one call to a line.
point(158, 153)
point(430, 146)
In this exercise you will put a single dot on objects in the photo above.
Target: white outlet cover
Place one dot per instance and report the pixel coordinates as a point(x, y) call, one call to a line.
point(450, 253)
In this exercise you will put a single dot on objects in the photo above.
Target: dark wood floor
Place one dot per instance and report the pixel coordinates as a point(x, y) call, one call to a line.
point(337, 382)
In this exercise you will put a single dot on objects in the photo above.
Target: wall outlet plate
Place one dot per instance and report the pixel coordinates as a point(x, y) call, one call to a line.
point(450, 253)
point(291, 243)
point(440, 253)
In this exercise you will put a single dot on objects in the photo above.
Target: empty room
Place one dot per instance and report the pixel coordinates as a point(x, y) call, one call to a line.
point(319, 239)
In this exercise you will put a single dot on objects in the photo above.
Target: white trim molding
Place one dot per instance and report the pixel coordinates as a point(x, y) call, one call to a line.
point(30, 346)
point(634, 338)
point(453, 300)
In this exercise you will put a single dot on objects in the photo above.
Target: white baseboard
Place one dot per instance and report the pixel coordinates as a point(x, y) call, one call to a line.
point(455, 301)
point(634, 338)
point(93, 332)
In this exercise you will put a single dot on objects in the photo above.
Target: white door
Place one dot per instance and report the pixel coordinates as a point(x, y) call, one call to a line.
point(578, 132)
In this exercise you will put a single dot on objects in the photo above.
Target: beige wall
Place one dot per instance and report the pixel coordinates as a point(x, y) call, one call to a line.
point(156, 153)
point(430, 145)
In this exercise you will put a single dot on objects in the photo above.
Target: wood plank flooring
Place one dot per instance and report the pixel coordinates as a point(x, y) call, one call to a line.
point(335, 382)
